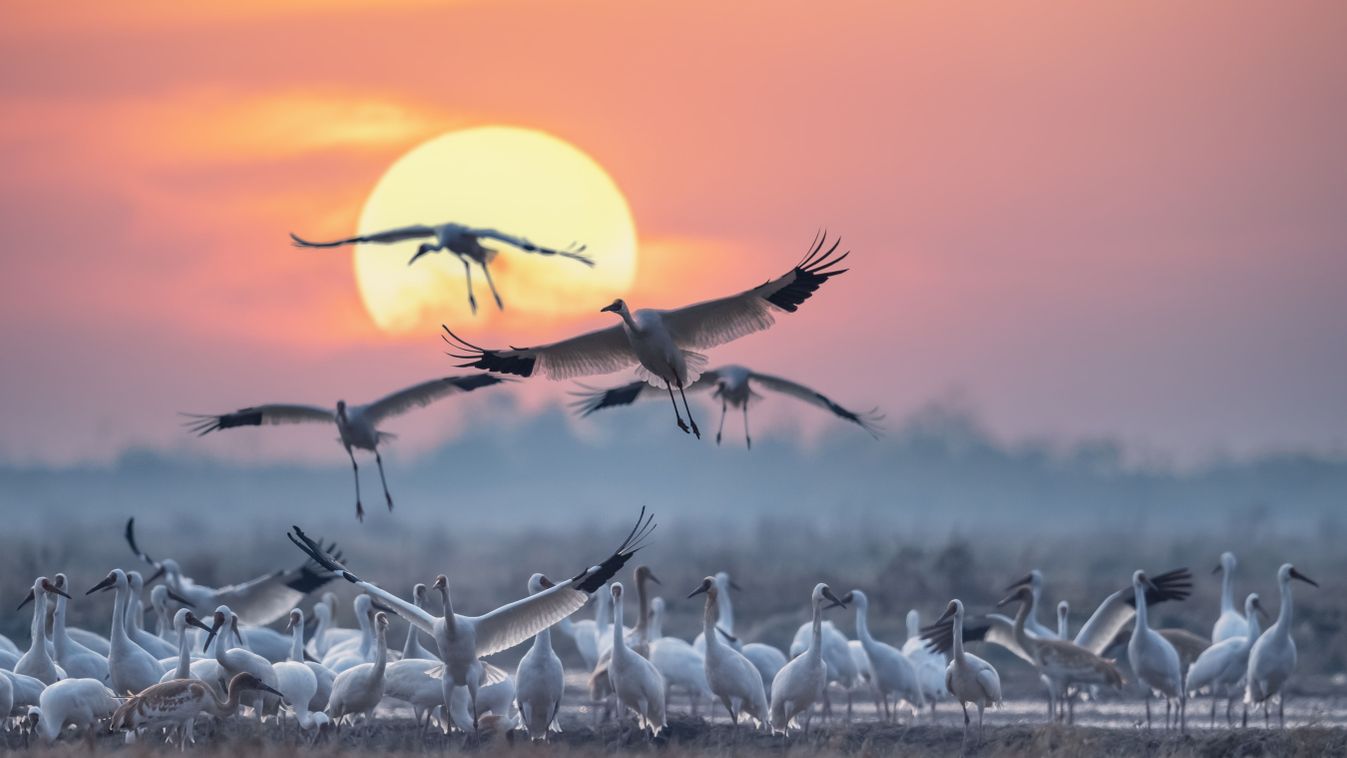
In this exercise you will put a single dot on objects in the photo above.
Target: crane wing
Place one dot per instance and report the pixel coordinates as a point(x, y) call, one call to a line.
point(574, 251)
point(512, 624)
point(1118, 608)
point(260, 601)
point(591, 399)
point(407, 610)
point(715, 322)
point(993, 628)
point(425, 393)
point(390, 235)
point(258, 415)
point(598, 352)
point(867, 420)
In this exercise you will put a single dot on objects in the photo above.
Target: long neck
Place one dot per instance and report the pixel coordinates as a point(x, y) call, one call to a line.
point(119, 616)
point(603, 610)
point(1284, 616)
point(542, 641)
point(957, 653)
point(449, 618)
point(862, 625)
point(134, 617)
point(913, 624)
point(1227, 590)
point(618, 640)
point(229, 705)
point(59, 639)
point(1255, 628)
point(184, 669)
point(380, 654)
point(409, 644)
point(38, 644)
point(725, 607)
point(1141, 622)
point(162, 622)
point(1022, 637)
point(221, 645)
point(709, 632)
point(320, 634)
point(297, 642)
point(816, 634)
point(626, 318)
point(1033, 606)
point(643, 608)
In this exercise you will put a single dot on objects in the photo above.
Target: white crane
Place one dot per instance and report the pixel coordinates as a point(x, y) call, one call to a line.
point(539, 679)
point(968, 678)
point(181, 620)
point(78, 661)
point(37, 662)
point(238, 660)
point(135, 619)
point(1222, 666)
point(1060, 663)
point(131, 669)
point(1154, 661)
point(1064, 620)
point(411, 647)
point(411, 680)
point(463, 640)
point(735, 387)
point(258, 601)
point(768, 660)
point(1229, 624)
point(891, 674)
point(178, 703)
point(299, 686)
point(729, 675)
point(929, 665)
point(26, 691)
point(837, 657)
point(661, 344)
point(679, 664)
point(638, 685)
point(327, 634)
point(463, 241)
point(358, 690)
point(357, 425)
point(323, 677)
point(81, 703)
point(1273, 657)
point(360, 650)
point(800, 683)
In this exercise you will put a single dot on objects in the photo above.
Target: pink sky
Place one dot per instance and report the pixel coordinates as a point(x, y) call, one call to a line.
point(1126, 220)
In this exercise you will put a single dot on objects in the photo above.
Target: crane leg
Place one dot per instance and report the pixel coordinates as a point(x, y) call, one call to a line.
point(747, 439)
point(359, 509)
point(467, 272)
point(724, 408)
point(677, 415)
point(697, 432)
point(492, 285)
point(379, 461)
point(1281, 709)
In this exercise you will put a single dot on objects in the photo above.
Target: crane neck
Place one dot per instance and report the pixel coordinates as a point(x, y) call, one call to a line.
point(60, 641)
point(1142, 620)
point(184, 670)
point(1227, 590)
point(297, 642)
point(709, 619)
point(957, 652)
point(816, 634)
point(625, 313)
point(1255, 628)
point(1021, 636)
point(380, 652)
point(38, 642)
point(913, 624)
point(862, 625)
point(618, 639)
point(603, 610)
point(643, 608)
point(1283, 625)
point(119, 615)
point(725, 607)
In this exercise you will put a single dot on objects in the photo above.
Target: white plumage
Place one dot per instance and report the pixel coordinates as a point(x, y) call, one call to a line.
point(800, 683)
point(1272, 659)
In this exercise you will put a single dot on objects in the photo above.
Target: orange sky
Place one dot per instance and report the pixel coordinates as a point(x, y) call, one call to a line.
point(1123, 220)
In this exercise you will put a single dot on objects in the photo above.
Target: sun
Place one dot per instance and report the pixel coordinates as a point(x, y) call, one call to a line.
point(519, 181)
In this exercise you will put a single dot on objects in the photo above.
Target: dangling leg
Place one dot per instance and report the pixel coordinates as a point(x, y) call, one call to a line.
point(724, 407)
point(677, 415)
point(467, 271)
point(492, 285)
point(378, 460)
point(966, 720)
point(1167, 705)
point(747, 439)
point(1148, 710)
point(359, 509)
point(1281, 709)
point(697, 432)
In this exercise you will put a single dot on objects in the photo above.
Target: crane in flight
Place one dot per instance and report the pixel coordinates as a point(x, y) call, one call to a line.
point(662, 344)
point(357, 425)
point(463, 241)
point(735, 386)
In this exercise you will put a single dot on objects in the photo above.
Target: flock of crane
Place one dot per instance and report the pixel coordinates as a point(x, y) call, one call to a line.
point(661, 344)
point(159, 684)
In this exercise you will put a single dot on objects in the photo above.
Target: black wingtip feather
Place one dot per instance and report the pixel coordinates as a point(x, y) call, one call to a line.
point(590, 580)
point(810, 274)
point(487, 360)
point(319, 556)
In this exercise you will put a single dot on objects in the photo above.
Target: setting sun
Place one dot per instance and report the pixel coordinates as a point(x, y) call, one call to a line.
point(519, 181)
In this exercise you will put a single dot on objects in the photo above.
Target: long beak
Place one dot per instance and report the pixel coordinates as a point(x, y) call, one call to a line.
point(1028, 579)
point(727, 635)
point(608, 309)
point(48, 586)
point(654, 578)
point(1008, 599)
point(179, 599)
point(948, 614)
point(26, 599)
point(272, 690)
point(196, 622)
point(159, 571)
point(835, 602)
point(107, 583)
point(546, 583)
point(703, 587)
point(290, 624)
point(1297, 575)
point(211, 637)
point(1262, 612)
point(1216, 570)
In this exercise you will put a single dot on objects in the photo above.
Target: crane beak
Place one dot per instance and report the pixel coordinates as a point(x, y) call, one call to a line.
point(947, 615)
point(653, 578)
point(727, 635)
point(705, 586)
point(1297, 575)
point(179, 599)
point(1007, 600)
point(828, 593)
point(159, 571)
point(210, 637)
point(272, 690)
point(1028, 579)
point(106, 584)
point(1216, 570)
point(609, 308)
point(196, 622)
point(1262, 612)
point(48, 586)
point(26, 599)
point(546, 583)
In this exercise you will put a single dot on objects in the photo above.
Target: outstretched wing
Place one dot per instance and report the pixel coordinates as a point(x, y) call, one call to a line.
point(406, 609)
point(131, 540)
point(867, 420)
point(599, 352)
point(715, 322)
point(512, 624)
point(390, 235)
point(573, 251)
point(424, 394)
point(591, 399)
point(1119, 608)
point(258, 415)
point(993, 628)
point(260, 601)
